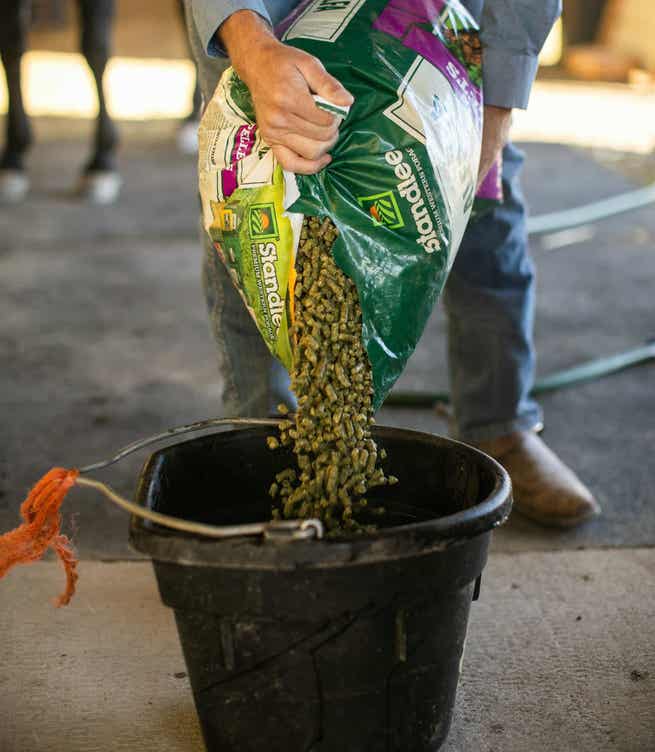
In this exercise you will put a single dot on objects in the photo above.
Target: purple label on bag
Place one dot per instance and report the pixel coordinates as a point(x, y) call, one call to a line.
point(402, 18)
point(430, 10)
point(244, 142)
point(492, 187)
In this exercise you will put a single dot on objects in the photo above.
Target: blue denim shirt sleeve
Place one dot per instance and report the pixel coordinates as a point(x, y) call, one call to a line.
point(512, 33)
point(208, 15)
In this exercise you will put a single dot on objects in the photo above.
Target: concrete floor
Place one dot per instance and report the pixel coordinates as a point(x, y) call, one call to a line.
point(103, 339)
point(559, 658)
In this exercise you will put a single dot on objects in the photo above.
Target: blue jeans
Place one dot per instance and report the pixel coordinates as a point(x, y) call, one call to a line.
point(489, 299)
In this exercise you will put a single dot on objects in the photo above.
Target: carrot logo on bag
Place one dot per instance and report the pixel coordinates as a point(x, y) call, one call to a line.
point(383, 210)
point(262, 221)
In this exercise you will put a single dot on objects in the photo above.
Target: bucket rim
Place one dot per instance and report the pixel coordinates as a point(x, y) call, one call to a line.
point(391, 542)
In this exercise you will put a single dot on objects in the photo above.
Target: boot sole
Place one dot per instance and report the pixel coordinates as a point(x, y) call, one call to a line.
point(563, 523)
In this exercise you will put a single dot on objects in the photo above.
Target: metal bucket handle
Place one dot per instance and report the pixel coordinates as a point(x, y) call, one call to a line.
point(279, 530)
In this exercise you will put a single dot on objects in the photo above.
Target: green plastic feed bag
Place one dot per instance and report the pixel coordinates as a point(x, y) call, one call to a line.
point(401, 184)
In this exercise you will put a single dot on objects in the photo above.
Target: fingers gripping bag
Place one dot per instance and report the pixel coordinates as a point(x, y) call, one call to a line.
point(401, 184)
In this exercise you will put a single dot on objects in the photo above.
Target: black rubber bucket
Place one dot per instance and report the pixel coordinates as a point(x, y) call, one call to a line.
point(322, 646)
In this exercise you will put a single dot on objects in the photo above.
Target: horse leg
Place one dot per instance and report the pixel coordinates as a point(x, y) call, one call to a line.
point(100, 182)
point(14, 24)
point(187, 136)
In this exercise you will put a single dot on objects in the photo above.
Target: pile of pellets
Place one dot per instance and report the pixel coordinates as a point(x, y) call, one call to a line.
point(337, 458)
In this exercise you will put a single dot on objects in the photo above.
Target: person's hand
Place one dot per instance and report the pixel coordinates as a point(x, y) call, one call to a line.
point(281, 80)
point(495, 134)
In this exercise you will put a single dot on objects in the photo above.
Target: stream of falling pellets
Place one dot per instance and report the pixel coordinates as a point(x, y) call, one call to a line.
point(337, 459)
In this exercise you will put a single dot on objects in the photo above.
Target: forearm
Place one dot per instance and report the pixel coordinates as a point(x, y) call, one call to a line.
point(512, 35)
point(210, 15)
point(240, 33)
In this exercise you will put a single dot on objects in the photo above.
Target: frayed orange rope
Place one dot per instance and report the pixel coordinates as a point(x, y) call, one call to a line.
point(41, 529)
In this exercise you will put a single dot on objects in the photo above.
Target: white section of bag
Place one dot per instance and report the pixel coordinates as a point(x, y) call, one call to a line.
point(338, 110)
point(324, 20)
point(428, 110)
point(418, 81)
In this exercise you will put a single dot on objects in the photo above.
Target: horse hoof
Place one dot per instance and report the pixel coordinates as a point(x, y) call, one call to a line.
point(14, 185)
point(100, 187)
point(187, 137)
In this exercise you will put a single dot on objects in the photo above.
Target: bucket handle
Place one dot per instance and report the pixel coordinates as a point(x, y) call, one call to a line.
point(279, 530)
point(199, 425)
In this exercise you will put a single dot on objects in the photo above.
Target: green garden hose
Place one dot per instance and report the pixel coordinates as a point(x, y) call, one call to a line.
point(593, 369)
point(593, 212)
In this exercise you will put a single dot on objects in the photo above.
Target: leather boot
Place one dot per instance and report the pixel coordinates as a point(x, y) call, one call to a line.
point(545, 489)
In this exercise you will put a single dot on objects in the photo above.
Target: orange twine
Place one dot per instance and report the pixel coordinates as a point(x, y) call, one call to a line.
point(41, 529)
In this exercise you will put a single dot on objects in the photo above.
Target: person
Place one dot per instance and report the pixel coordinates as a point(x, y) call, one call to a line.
point(489, 297)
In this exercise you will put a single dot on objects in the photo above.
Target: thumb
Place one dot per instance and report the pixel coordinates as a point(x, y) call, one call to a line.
point(322, 83)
